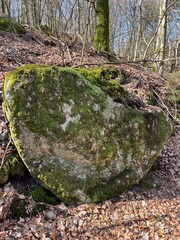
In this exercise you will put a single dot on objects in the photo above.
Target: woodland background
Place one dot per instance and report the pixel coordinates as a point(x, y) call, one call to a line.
point(62, 32)
point(140, 30)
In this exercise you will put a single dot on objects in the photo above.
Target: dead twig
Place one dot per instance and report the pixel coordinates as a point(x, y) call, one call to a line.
point(167, 109)
point(69, 54)
point(119, 63)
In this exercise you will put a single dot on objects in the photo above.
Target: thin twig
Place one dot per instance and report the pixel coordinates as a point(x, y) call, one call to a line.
point(167, 109)
point(155, 34)
point(69, 54)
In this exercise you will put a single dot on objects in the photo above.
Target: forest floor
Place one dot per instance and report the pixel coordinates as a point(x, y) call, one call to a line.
point(150, 210)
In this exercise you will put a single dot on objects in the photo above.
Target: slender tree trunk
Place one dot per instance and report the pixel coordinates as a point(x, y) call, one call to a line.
point(3, 7)
point(177, 54)
point(79, 16)
point(101, 41)
point(139, 34)
point(161, 35)
point(26, 9)
point(8, 7)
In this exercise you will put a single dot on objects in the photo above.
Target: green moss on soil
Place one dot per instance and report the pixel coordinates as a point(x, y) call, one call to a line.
point(35, 53)
point(18, 208)
point(146, 183)
point(38, 208)
point(4, 173)
point(12, 167)
point(17, 167)
point(49, 43)
point(40, 194)
point(173, 90)
point(46, 29)
point(10, 25)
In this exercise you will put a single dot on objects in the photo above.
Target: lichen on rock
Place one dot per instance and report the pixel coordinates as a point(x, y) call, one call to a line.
point(74, 138)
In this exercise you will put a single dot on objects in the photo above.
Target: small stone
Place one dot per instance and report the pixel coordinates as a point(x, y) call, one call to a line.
point(21, 196)
point(51, 215)
point(62, 207)
point(80, 222)
point(4, 136)
point(130, 194)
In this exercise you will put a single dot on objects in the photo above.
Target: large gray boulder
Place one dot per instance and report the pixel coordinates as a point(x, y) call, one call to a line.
point(74, 139)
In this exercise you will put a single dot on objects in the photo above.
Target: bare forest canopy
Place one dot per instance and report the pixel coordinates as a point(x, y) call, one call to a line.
point(135, 26)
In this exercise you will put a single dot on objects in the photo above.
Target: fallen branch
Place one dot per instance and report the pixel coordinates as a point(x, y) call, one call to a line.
point(121, 62)
point(167, 109)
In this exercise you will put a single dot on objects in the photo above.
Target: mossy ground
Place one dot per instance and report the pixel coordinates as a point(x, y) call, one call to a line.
point(46, 29)
point(18, 208)
point(10, 25)
point(172, 81)
point(12, 167)
point(40, 194)
point(38, 208)
point(4, 173)
point(173, 87)
point(30, 189)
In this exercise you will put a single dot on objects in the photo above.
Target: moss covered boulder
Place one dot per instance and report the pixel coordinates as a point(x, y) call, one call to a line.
point(10, 25)
point(74, 139)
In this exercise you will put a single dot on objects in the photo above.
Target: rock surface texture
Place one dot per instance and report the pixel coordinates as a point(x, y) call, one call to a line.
point(74, 139)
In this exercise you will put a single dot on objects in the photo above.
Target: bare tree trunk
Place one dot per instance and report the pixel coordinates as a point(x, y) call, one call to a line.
point(79, 16)
point(177, 54)
point(139, 34)
point(6, 7)
point(3, 7)
point(26, 9)
point(161, 35)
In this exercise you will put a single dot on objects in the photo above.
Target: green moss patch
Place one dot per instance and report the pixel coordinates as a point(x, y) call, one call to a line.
point(108, 79)
point(4, 173)
point(46, 29)
point(40, 194)
point(18, 208)
point(173, 87)
point(10, 25)
point(38, 208)
point(12, 167)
